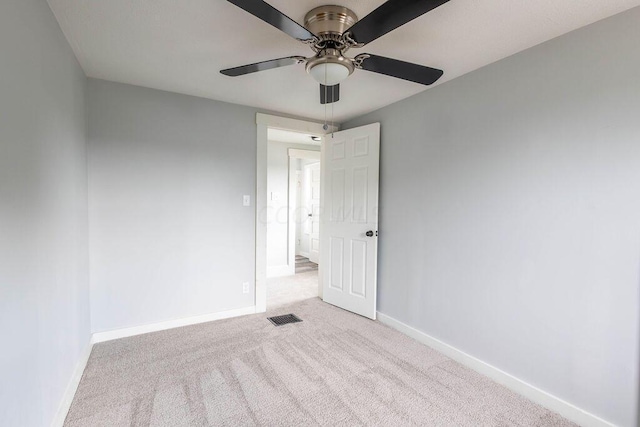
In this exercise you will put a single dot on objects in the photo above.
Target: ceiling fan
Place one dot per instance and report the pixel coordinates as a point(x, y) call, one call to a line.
point(330, 31)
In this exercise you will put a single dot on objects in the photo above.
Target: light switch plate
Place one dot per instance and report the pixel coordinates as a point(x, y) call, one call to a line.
point(246, 200)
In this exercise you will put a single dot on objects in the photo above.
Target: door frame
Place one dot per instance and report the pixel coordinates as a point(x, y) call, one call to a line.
point(298, 178)
point(263, 123)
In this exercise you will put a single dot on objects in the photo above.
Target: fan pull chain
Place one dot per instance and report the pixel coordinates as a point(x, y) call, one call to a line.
point(325, 126)
point(333, 97)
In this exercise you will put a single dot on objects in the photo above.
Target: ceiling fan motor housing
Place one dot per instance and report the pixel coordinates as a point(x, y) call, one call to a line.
point(329, 21)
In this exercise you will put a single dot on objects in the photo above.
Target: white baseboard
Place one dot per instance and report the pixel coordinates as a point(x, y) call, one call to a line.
point(169, 324)
point(304, 254)
point(70, 391)
point(566, 409)
point(281, 270)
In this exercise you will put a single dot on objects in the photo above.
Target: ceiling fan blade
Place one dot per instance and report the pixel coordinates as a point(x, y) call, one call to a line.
point(389, 16)
point(329, 94)
point(400, 69)
point(261, 66)
point(273, 16)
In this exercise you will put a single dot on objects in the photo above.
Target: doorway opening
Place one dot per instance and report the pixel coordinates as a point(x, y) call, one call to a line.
point(348, 213)
point(264, 122)
point(293, 223)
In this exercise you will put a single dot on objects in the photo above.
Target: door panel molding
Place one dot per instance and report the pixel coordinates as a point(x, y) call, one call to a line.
point(349, 223)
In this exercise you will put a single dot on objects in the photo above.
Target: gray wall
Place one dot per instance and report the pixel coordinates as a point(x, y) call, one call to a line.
point(510, 215)
point(169, 237)
point(44, 288)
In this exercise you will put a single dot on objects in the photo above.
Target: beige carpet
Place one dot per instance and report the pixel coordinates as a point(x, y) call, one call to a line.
point(334, 368)
point(304, 264)
point(289, 289)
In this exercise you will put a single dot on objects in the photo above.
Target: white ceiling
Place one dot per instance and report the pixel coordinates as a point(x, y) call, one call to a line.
point(181, 46)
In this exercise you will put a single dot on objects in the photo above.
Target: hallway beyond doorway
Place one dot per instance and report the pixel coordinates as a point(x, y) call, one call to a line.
point(289, 289)
point(303, 264)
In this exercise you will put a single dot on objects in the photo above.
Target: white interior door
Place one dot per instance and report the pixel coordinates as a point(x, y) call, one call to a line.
point(349, 222)
point(312, 172)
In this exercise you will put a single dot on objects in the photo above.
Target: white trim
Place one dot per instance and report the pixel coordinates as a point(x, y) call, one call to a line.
point(74, 382)
point(281, 270)
point(261, 218)
point(292, 205)
point(304, 154)
point(323, 197)
point(263, 123)
point(72, 386)
point(541, 397)
point(306, 255)
point(170, 324)
point(285, 123)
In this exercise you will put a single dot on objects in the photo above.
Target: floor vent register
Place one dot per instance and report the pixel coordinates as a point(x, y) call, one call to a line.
point(284, 319)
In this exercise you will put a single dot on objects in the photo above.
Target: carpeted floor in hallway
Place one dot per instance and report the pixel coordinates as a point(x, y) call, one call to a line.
point(334, 368)
point(303, 265)
point(289, 289)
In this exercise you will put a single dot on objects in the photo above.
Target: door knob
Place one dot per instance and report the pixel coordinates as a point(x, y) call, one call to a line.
point(369, 233)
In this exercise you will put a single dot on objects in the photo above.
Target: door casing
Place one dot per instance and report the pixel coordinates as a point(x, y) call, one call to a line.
point(314, 210)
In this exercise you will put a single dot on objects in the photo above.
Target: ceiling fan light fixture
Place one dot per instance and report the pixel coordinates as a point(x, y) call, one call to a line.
point(330, 31)
point(329, 73)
